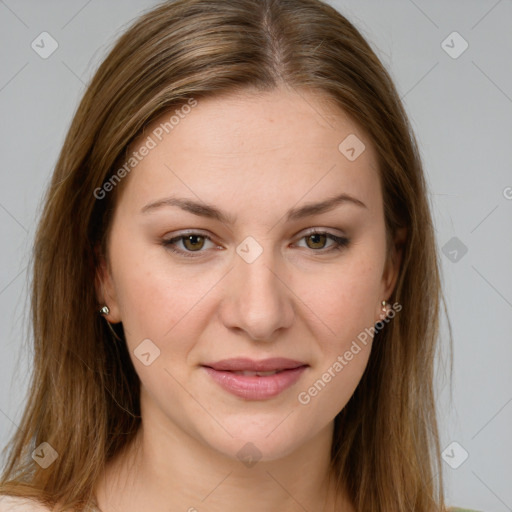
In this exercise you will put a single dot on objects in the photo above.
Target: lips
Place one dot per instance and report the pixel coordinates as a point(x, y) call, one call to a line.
point(259, 374)
point(241, 364)
point(256, 380)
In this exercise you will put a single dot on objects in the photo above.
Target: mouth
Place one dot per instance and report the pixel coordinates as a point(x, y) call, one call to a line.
point(244, 364)
point(258, 382)
point(258, 374)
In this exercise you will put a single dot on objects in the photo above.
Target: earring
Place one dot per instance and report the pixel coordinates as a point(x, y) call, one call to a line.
point(105, 310)
point(384, 308)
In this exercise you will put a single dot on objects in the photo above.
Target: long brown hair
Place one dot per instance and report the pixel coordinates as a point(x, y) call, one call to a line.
point(84, 393)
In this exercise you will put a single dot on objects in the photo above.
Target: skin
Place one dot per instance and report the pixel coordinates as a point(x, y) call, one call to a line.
point(254, 156)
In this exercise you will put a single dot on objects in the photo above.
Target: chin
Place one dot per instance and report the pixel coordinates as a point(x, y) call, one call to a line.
point(250, 450)
point(262, 438)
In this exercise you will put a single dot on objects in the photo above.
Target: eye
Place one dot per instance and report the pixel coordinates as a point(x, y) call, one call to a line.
point(316, 240)
point(193, 242)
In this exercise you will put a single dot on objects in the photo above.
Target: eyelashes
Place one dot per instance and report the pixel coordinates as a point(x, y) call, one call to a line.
point(339, 243)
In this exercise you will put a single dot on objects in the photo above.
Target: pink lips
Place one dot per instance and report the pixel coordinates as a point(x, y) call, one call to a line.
point(254, 387)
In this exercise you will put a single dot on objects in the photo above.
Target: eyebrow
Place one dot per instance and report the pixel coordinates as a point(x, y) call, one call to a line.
point(209, 211)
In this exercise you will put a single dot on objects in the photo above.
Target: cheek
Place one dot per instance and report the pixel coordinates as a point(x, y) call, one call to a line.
point(344, 340)
point(158, 299)
point(342, 302)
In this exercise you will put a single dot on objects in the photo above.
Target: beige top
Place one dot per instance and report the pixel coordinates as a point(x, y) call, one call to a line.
point(15, 504)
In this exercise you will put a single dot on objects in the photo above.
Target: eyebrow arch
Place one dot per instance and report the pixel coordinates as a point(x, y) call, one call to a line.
point(206, 210)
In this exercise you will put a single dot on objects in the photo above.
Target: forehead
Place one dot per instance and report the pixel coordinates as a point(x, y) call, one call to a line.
point(255, 149)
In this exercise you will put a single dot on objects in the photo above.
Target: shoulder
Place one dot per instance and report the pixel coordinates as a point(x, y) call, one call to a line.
point(15, 504)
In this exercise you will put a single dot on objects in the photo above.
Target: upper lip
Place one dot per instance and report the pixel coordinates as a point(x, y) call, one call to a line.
point(264, 365)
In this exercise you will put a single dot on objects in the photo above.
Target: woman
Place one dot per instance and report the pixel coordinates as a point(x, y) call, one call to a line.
point(236, 289)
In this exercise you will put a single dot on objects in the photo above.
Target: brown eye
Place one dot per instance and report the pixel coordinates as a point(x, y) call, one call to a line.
point(193, 242)
point(318, 240)
point(188, 245)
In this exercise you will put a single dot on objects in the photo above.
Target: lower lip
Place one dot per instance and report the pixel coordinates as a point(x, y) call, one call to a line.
point(252, 387)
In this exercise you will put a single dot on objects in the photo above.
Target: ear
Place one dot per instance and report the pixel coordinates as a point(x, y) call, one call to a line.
point(392, 269)
point(104, 287)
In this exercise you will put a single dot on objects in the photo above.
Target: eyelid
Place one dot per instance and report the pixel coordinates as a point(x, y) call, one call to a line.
point(307, 232)
point(322, 230)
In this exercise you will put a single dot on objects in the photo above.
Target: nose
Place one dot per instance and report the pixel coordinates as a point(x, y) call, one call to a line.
point(258, 298)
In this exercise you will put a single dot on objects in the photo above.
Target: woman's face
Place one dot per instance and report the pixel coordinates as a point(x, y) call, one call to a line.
point(248, 279)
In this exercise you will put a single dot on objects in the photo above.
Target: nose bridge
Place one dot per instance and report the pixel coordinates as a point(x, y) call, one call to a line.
point(260, 302)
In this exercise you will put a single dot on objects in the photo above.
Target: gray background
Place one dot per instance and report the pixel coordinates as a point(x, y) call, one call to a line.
point(461, 111)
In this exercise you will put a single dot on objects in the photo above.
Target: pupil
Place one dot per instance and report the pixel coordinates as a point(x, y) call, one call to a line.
point(192, 239)
point(316, 236)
